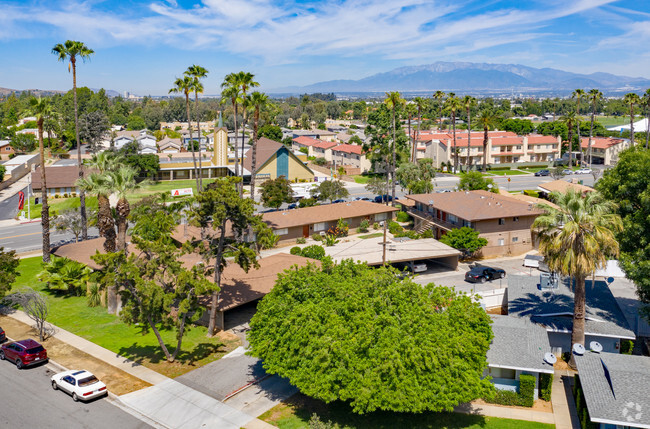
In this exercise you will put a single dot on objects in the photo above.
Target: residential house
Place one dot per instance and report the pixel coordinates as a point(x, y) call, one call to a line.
point(604, 150)
point(518, 347)
point(61, 180)
point(315, 134)
point(322, 149)
point(273, 160)
point(351, 157)
point(303, 143)
point(169, 145)
point(615, 389)
point(551, 306)
point(5, 149)
point(146, 142)
point(504, 221)
point(562, 186)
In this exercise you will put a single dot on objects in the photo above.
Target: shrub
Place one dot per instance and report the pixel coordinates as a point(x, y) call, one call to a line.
point(527, 390)
point(330, 240)
point(65, 195)
point(376, 225)
point(317, 237)
point(505, 397)
point(403, 217)
point(545, 386)
point(301, 240)
point(427, 234)
point(410, 234)
point(343, 227)
point(499, 167)
point(74, 195)
point(57, 196)
point(296, 250)
point(531, 193)
point(320, 161)
point(627, 346)
point(307, 202)
point(364, 226)
point(394, 227)
point(314, 252)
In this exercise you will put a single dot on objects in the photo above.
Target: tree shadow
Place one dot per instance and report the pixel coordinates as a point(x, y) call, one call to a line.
point(154, 353)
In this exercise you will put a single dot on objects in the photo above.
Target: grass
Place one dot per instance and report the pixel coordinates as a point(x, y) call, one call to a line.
point(533, 169)
point(373, 235)
point(58, 205)
point(297, 410)
point(611, 121)
point(94, 324)
point(507, 172)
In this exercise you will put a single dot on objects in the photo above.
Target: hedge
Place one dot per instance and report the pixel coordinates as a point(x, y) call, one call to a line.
point(581, 406)
point(627, 346)
point(524, 398)
point(531, 193)
point(545, 386)
point(314, 251)
point(403, 217)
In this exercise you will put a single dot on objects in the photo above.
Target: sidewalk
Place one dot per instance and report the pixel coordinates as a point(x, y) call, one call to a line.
point(564, 407)
point(506, 412)
point(13, 189)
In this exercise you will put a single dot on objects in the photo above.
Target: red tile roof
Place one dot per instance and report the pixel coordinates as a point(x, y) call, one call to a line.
point(306, 141)
point(536, 139)
point(324, 145)
point(600, 142)
point(348, 148)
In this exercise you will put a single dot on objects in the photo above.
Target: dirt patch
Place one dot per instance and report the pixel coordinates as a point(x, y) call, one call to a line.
point(538, 405)
point(497, 310)
point(117, 381)
point(561, 365)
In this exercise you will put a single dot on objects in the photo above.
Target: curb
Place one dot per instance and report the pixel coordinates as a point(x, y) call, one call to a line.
point(244, 387)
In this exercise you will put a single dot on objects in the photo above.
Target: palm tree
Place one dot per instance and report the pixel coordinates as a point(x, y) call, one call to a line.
point(486, 119)
point(468, 102)
point(41, 108)
point(439, 95)
point(594, 96)
point(454, 104)
point(419, 103)
point(257, 101)
point(197, 73)
point(230, 91)
point(411, 111)
point(576, 238)
point(123, 181)
point(184, 85)
point(393, 101)
point(245, 82)
point(646, 105)
point(578, 94)
point(71, 50)
point(631, 99)
point(569, 120)
point(99, 183)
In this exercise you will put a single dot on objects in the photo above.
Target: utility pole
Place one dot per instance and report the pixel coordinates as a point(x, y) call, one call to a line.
point(383, 244)
point(29, 195)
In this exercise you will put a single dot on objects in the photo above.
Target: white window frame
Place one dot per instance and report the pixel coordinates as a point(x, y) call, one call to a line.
point(321, 226)
point(501, 242)
point(281, 231)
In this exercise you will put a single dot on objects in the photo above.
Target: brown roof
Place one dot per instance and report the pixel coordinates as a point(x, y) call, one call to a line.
point(57, 177)
point(527, 198)
point(477, 205)
point(324, 213)
point(266, 148)
point(83, 250)
point(563, 186)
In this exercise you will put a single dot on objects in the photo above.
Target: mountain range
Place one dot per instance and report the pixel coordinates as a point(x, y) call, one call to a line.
point(475, 77)
point(48, 92)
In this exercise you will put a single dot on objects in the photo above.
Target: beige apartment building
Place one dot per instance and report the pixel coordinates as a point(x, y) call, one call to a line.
point(604, 150)
point(504, 221)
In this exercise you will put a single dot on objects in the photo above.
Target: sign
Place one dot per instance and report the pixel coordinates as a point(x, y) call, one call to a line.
point(21, 200)
point(182, 192)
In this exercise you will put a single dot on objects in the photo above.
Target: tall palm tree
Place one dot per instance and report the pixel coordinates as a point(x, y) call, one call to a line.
point(578, 94)
point(197, 73)
point(184, 85)
point(646, 105)
point(245, 81)
point(631, 99)
point(41, 108)
point(230, 91)
point(71, 50)
point(594, 96)
point(486, 119)
point(411, 111)
point(98, 182)
point(576, 238)
point(468, 102)
point(454, 104)
point(122, 182)
point(257, 101)
point(569, 120)
point(419, 103)
point(439, 95)
point(393, 101)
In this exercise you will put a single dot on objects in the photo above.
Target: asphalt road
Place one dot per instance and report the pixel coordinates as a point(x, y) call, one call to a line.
point(28, 401)
point(9, 207)
point(27, 237)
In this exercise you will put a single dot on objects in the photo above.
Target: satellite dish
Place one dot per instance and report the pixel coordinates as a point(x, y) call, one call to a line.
point(578, 349)
point(550, 358)
point(595, 346)
point(610, 280)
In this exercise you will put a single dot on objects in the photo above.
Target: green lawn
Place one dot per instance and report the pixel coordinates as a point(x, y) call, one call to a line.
point(611, 121)
point(373, 235)
point(59, 204)
point(508, 172)
point(533, 169)
point(93, 323)
point(296, 412)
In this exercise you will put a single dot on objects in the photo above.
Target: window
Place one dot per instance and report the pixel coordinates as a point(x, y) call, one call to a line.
point(452, 219)
point(502, 221)
point(515, 219)
point(515, 239)
point(501, 242)
point(320, 226)
point(380, 216)
point(281, 231)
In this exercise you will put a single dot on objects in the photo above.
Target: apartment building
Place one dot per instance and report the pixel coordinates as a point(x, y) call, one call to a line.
point(604, 150)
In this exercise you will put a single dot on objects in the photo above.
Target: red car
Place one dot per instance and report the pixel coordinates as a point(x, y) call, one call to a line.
point(23, 353)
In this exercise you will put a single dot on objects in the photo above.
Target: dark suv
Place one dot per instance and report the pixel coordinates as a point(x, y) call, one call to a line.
point(482, 274)
point(23, 353)
point(542, 173)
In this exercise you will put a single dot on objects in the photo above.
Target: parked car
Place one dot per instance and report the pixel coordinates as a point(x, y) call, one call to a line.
point(365, 199)
point(81, 385)
point(481, 274)
point(542, 173)
point(583, 171)
point(292, 206)
point(23, 353)
point(567, 171)
point(340, 200)
point(3, 336)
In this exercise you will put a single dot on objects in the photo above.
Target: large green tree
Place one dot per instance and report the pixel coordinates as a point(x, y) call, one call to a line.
point(487, 120)
point(465, 239)
point(9, 263)
point(474, 181)
point(576, 237)
point(417, 177)
point(468, 102)
point(364, 336)
point(453, 105)
point(594, 97)
point(275, 192)
point(330, 190)
point(72, 50)
point(632, 99)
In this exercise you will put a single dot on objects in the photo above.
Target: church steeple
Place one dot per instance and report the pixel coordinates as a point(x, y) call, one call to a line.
point(220, 156)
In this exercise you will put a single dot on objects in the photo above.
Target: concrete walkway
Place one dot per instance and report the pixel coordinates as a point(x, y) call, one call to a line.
point(506, 412)
point(564, 407)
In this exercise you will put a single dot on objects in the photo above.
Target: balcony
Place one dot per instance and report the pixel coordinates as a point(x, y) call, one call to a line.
point(426, 217)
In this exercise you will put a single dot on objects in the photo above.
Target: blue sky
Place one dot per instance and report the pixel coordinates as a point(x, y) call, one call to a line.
point(142, 45)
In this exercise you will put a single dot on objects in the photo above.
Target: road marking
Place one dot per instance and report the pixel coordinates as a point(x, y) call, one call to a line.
point(21, 235)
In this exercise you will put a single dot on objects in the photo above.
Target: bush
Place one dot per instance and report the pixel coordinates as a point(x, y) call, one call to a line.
point(317, 237)
point(320, 161)
point(403, 217)
point(531, 193)
point(581, 406)
point(505, 397)
point(307, 202)
point(545, 386)
point(427, 234)
point(376, 225)
point(314, 252)
point(74, 195)
point(364, 226)
point(57, 196)
point(65, 195)
point(301, 240)
point(499, 167)
point(527, 390)
point(394, 227)
point(410, 234)
point(296, 250)
point(626, 347)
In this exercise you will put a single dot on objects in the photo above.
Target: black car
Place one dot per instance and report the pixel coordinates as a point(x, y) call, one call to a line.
point(3, 336)
point(292, 206)
point(340, 200)
point(383, 198)
point(482, 274)
point(543, 173)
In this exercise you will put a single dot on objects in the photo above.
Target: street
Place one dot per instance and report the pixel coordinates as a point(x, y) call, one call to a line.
point(28, 400)
point(27, 237)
